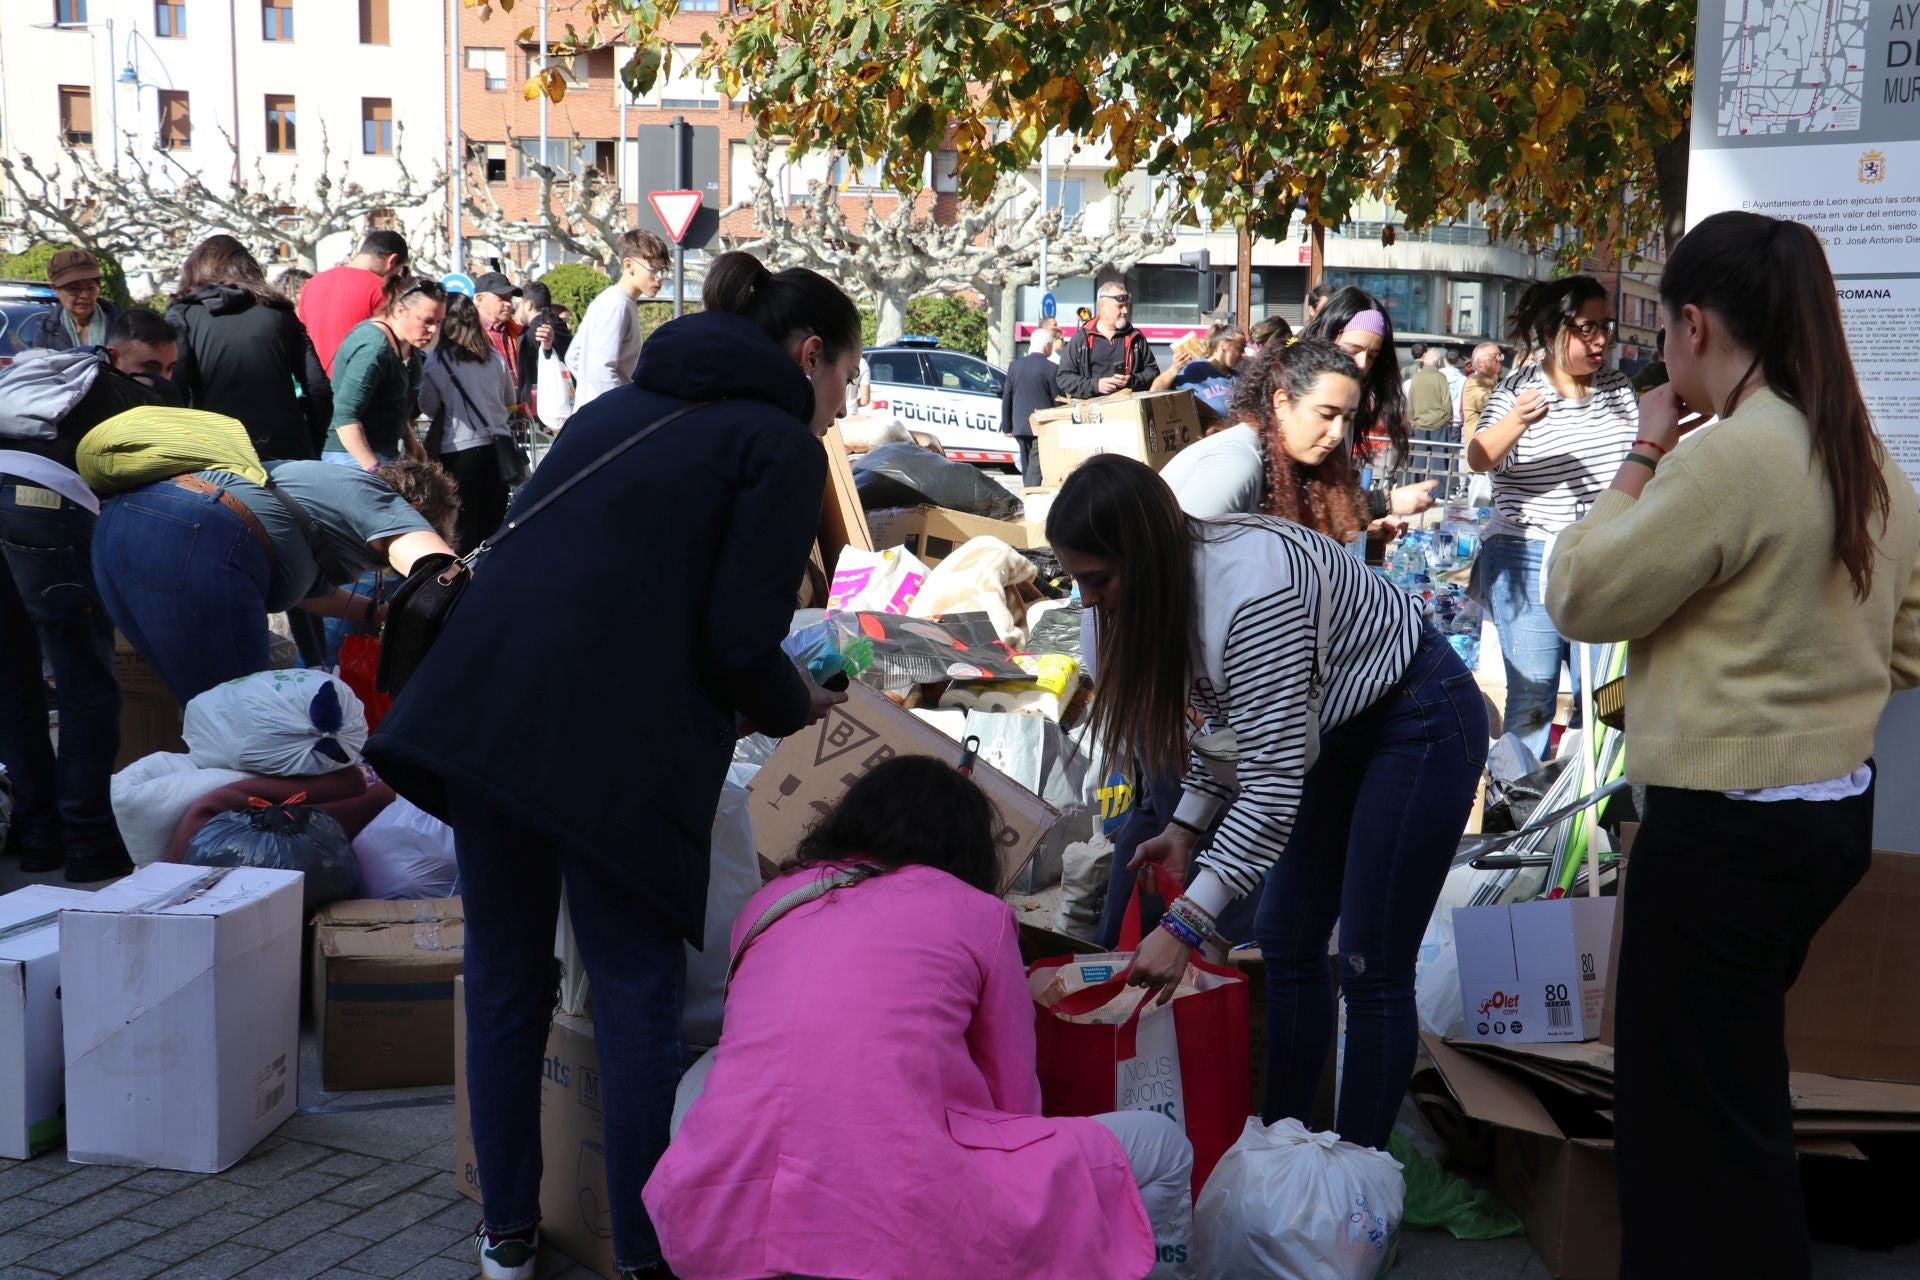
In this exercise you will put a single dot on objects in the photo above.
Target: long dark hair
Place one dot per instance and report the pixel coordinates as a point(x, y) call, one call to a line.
point(1545, 309)
point(791, 304)
point(1767, 281)
point(1120, 510)
point(221, 259)
point(1383, 401)
point(910, 811)
point(1327, 497)
point(462, 337)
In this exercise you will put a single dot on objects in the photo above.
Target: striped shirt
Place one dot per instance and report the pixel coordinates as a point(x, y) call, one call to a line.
point(1258, 612)
point(1561, 463)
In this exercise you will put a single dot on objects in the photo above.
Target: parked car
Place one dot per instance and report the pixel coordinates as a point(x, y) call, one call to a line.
point(949, 395)
point(19, 300)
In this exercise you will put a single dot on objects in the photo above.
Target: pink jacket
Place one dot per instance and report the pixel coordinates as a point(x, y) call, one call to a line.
point(873, 1114)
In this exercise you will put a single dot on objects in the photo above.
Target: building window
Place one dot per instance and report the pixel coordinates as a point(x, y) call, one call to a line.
point(683, 88)
point(383, 220)
point(1069, 197)
point(492, 157)
point(280, 122)
point(373, 22)
point(76, 115)
point(869, 177)
point(70, 12)
point(176, 123)
point(944, 163)
point(276, 19)
point(170, 19)
point(491, 61)
point(699, 6)
point(560, 156)
point(376, 126)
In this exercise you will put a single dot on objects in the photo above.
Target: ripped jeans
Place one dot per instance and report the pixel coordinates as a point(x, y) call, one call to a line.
point(1379, 824)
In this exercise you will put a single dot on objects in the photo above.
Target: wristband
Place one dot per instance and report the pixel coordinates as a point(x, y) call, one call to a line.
point(1184, 825)
point(1643, 460)
point(1190, 914)
point(1653, 444)
point(1182, 930)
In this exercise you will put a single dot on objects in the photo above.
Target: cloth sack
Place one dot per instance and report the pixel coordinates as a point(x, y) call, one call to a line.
point(285, 724)
point(406, 854)
point(151, 796)
point(1287, 1204)
point(157, 442)
point(282, 837)
point(983, 575)
point(1103, 1046)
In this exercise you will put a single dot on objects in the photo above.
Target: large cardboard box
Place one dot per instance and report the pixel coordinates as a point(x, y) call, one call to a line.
point(813, 768)
point(575, 1213)
point(181, 991)
point(149, 716)
point(933, 533)
point(32, 1065)
point(1150, 427)
point(382, 977)
point(1532, 972)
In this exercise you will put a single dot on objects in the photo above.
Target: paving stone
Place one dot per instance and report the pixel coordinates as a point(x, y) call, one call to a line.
point(306, 1219)
point(459, 1216)
point(15, 1245)
point(188, 1203)
point(163, 1181)
point(217, 1263)
point(196, 1235)
point(346, 1164)
point(266, 1202)
point(392, 1215)
point(443, 1269)
point(81, 1183)
point(18, 1211)
point(403, 1251)
point(438, 1156)
point(95, 1211)
point(26, 1273)
point(25, 1175)
point(127, 1266)
point(399, 1134)
point(386, 1181)
point(307, 1259)
point(94, 1244)
point(266, 1167)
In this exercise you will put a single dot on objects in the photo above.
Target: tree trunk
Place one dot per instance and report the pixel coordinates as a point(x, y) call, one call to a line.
point(1003, 309)
point(889, 316)
point(1670, 175)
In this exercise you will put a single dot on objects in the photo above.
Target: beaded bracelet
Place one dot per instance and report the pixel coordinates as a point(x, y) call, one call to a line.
point(1182, 930)
point(1197, 921)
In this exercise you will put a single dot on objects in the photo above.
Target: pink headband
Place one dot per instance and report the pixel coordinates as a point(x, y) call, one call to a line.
point(1368, 321)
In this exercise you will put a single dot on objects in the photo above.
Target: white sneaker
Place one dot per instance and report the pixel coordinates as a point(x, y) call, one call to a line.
point(514, 1257)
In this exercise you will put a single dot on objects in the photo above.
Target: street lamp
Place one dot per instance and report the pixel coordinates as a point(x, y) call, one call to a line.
point(113, 98)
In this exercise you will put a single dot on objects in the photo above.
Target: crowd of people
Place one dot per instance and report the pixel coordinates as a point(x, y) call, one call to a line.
point(1305, 748)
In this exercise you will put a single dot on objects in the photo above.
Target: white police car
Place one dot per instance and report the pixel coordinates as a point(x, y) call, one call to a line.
point(949, 395)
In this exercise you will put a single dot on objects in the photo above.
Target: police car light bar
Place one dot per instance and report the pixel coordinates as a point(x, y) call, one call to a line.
point(917, 340)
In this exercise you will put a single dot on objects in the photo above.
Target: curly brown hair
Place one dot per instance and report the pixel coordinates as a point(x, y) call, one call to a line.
point(428, 489)
point(1325, 498)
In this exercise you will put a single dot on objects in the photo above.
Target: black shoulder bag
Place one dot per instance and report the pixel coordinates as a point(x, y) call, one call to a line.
point(419, 608)
point(513, 464)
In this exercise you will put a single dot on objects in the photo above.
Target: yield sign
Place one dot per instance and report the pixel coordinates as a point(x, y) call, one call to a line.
point(676, 210)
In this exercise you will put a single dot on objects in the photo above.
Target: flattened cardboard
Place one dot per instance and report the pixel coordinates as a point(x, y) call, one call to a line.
point(842, 522)
point(934, 533)
point(181, 992)
point(382, 975)
point(32, 1063)
point(1150, 427)
point(812, 769)
point(575, 1210)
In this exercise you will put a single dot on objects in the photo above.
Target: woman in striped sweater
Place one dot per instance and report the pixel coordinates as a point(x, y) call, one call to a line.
point(1343, 736)
point(1553, 434)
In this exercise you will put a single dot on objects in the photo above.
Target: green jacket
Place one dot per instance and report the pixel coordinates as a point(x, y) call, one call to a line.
point(374, 387)
point(1429, 403)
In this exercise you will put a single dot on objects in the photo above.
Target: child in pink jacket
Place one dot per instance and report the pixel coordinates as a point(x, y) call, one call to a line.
point(872, 1111)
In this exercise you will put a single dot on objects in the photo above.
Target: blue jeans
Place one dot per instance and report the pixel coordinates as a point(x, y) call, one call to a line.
point(186, 580)
point(1533, 649)
point(1153, 805)
point(342, 458)
point(50, 612)
point(1378, 826)
point(510, 884)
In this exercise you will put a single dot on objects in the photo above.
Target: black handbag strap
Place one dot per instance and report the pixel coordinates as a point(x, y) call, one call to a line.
point(472, 408)
point(514, 525)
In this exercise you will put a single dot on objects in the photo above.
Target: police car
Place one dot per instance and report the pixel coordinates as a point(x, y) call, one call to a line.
point(949, 395)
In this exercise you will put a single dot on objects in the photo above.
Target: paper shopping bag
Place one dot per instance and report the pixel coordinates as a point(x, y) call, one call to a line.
point(1103, 1047)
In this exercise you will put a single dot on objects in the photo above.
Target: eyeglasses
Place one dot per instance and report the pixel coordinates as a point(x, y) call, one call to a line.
point(1123, 299)
point(1588, 330)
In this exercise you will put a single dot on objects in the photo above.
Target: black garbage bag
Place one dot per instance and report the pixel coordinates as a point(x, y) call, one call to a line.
point(905, 475)
point(282, 837)
point(1057, 631)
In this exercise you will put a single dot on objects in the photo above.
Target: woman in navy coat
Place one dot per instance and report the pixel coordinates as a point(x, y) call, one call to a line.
point(575, 721)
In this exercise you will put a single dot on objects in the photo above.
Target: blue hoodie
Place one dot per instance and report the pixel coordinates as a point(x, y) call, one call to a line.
point(586, 690)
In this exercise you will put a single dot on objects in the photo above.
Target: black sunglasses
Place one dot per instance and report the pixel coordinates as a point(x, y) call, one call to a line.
point(431, 288)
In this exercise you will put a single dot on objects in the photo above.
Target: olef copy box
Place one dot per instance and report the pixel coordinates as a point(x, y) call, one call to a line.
point(1532, 972)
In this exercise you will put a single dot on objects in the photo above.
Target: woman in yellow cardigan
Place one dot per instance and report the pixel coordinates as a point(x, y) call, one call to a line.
point(1762, 571)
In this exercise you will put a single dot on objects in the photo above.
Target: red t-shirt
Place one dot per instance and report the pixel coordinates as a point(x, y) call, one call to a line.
point(334, 302)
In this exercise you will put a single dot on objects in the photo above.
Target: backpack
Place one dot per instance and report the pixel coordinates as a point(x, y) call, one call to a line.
point(42, 386)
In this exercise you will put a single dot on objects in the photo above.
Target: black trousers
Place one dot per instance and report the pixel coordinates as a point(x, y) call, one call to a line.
point(483, 494)
point(1722, 899)
point(1029, 460)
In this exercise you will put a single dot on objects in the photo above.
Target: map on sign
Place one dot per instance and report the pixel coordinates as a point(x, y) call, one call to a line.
point(1790, 66)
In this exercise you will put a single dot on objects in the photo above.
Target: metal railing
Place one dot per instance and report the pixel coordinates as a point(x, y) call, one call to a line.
point(1438, 455)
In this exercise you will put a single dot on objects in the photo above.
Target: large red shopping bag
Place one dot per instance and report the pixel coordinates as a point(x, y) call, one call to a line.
point(359, 661)
point(1102, 1048)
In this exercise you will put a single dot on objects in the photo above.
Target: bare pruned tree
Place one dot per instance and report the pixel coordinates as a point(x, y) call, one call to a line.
point(579, 208)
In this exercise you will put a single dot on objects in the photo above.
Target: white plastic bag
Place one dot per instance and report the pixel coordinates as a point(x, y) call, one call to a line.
point(406, 854)
point(733, 876)
point(553, 391)
point(152, 794)
point(285, 724)
point(1286, 1204)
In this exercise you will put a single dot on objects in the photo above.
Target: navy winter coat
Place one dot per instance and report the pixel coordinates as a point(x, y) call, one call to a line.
point(588, 684)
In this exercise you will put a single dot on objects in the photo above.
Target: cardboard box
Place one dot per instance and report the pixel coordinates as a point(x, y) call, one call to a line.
point(575, 1217)
point(181, 991)
point(32, 1064)
point(1534, 971)
point(933, 533)
point(383, 991)
point(1150, 427)
point(149, 717)
point(813, 769)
